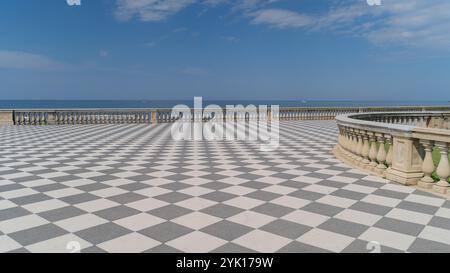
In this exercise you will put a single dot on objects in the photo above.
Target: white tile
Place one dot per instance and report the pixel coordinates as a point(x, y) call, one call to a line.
point(336, 201)
point(271, 180)
point(89, 174)
point(118, 182)
point(410, 216)
point(320, 189)
point(157, 181)
point(326, 240)
point(289, 201)
point(261, 172)
point(381, 200)
point(64, 192)
point(78, 182)
point(15, 175)
point(80, 222)
point(45, 205)
point(358, 217)
point(52, 174)
point(147, 204)
point(21, 223)
point(307, 179)
point(108, 192)
point(442, 212)
point(196, 191)
point(196, 220)
point(329, 172)
point(251, 219)
point(96, 205)
point(432, 201)
point(399, 188)
point(233, 180)
point(238, 190)
point(318, 166)
point(7, 244)
point(196, 203)
point(229, 173)
point(196, 242)
point(244, 202)
point(196, 181)
point(262, 241)
point(342, 179)
point(139, 221)
point(280, 189)
point(296, 172)
point(388, 238)
point(38, 182)
point(69, 243)
point(6, 182)
point(6, 204)
point(153, 191)
point(130, 243)
point(359, 188)
point(436, 234)
point(17, 193)
point(196, 173)
point(305, 218)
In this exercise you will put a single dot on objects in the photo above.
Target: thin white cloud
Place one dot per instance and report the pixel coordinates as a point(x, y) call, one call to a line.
point(24, 60)
point(416, 23)
point(158, 10)
point(150, 10)
point(280, 18)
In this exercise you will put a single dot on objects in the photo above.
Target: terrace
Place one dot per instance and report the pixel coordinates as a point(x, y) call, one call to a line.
point(115, 181)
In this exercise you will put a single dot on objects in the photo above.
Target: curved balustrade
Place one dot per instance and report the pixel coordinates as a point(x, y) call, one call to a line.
point(402, 147)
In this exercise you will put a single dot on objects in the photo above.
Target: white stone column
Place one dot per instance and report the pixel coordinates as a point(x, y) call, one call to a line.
point(373, 152)
point(443, 169)
point(427, 165)
point(359, 149)
point(381, 155)
point(365, 150)
point(390, 150)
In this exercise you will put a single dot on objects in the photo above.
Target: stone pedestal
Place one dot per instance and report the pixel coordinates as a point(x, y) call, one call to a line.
point(406, 162)
point(6, 117)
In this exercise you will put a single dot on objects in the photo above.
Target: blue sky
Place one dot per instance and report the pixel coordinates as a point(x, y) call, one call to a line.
point(225, 49)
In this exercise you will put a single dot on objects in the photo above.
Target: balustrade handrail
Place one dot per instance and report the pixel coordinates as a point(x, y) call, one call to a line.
point(157, 115)
point(365, 108)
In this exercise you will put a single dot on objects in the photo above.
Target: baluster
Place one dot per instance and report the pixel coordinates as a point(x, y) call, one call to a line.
point(381, 155)
point(354, 144)
point(373, 152)
point(443, 168)
point(427, 164)
point(359, 147)
point(365, 150)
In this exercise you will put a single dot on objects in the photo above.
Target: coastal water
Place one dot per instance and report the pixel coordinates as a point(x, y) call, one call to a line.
point(61, 104)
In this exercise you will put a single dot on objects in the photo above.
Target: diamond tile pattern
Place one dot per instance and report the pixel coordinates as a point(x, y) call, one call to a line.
point(131, 188)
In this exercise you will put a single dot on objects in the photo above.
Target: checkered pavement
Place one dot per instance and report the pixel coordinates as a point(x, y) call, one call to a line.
point(130, 188)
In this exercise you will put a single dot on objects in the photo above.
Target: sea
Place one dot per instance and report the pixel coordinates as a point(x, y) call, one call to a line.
point(74, 104)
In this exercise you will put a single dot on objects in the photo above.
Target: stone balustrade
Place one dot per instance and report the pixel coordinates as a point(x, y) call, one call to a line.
point(402, 147)
point(163, 115)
